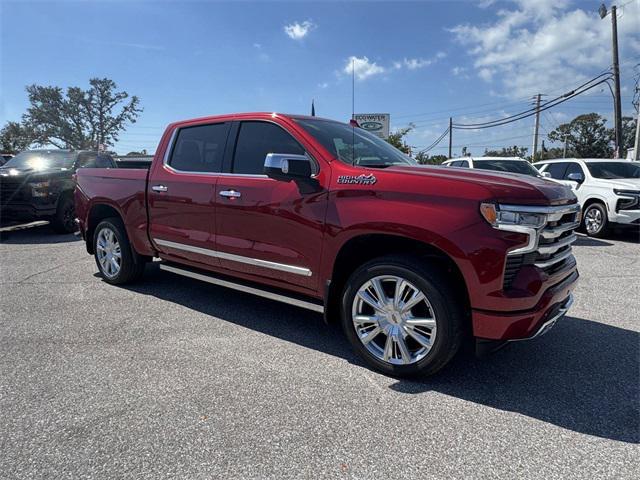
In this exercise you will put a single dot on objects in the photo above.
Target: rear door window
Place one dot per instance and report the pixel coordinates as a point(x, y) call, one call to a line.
point(200, 148)
point(255, 141)
point(87, 159)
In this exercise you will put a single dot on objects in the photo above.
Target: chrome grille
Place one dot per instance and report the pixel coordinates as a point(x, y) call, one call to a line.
point(551, 250)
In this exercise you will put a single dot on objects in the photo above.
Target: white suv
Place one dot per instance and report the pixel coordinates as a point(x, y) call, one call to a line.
point(497, 164)
point(608, 190)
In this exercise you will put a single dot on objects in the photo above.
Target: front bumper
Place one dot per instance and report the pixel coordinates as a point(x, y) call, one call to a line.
point(26, 211)
point(523, 325)
point(625, 217)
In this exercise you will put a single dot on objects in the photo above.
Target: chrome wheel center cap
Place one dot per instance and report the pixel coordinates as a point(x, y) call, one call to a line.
point(394, 317)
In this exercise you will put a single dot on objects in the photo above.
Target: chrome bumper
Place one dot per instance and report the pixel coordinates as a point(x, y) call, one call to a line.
point(546, 326)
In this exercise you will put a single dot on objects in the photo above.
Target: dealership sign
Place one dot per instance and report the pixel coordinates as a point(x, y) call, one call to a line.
point(376, 123)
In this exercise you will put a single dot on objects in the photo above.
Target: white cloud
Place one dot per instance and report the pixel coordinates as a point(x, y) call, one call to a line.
point(323, 85)
point(415, 63)
point(299, 30)
point(539, 45)
point(457, 71)
point(362, 67)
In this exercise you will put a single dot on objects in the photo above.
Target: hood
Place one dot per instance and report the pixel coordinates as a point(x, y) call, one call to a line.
point(621, 183)
point(504, 187)
point(11, 173)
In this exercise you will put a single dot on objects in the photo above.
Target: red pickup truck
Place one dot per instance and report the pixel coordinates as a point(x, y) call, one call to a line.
point(410, 259)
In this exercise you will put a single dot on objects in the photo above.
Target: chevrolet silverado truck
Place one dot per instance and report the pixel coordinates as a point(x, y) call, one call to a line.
point(38, 185)
point(412, 260)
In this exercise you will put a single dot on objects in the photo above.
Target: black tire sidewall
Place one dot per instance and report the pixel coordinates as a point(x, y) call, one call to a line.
point(58, 221)
point(447, 316)
point(605, 220)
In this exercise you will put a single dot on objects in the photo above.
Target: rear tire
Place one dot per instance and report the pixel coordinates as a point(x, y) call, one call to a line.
point(594, 220)
point(117, 262)
point(414, 341)
point(65, 219)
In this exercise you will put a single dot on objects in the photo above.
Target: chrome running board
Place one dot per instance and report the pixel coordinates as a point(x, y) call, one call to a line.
point(253, 290)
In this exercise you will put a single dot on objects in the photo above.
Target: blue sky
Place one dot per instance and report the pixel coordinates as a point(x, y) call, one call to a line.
point(418, 61)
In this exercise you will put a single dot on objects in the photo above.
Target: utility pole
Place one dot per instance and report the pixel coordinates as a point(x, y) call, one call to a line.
point(450, 131)
point(616, 75)
point(535, 129)
point(636, 145)
point(616, 81)
point(636, 103)
point(564, 154)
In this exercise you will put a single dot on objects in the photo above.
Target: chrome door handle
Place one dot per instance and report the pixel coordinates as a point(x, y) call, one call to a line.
point(159, 188)
point(230, 194)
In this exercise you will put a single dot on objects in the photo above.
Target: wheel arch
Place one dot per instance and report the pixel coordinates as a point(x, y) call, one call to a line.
point(97, 213)
point(362, 248)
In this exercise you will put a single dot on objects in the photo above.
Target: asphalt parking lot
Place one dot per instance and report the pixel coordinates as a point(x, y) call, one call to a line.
point(174, 378)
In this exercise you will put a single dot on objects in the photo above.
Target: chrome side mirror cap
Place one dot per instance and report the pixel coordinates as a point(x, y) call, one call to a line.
point(576, 177)
point(283, 166)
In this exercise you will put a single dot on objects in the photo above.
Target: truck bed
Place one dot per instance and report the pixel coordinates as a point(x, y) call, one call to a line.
point(124, 190)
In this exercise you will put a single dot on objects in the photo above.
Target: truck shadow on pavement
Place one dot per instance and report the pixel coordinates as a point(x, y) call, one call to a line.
point(583, 375)
point(37, 235)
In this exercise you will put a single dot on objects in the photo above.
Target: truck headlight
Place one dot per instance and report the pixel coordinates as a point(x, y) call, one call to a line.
point(40, 189)
point(516, 219)
point(505, 218)
point(630, 199)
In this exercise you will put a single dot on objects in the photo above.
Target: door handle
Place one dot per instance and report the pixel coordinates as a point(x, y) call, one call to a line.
point(159, 188)
point(230, 194)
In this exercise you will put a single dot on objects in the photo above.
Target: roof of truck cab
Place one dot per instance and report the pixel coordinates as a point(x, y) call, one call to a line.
point(242, 115)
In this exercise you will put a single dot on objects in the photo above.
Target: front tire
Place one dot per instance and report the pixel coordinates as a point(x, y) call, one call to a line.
point(65, 218)
point(402, 316)
point(114, 255)
point(594, 220)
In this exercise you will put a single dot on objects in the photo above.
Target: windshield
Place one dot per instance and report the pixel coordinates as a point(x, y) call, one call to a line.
point(613, 170)
point(354, 145)
point(42, 160)
point(513, 166)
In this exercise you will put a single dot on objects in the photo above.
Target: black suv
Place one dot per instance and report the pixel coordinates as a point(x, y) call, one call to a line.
point(38, 185)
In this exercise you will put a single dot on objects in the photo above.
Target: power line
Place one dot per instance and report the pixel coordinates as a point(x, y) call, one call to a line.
point(528, 113)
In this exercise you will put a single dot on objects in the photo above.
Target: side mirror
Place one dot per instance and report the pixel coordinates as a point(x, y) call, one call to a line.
point(546, 174)
point(282, 166)
point(576, 177)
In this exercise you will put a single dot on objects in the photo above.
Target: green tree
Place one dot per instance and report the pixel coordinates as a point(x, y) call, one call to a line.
point(15, 137)
point(397, 139)
point(628, 134)
point(424, 159)
point(80, 118)
point(586, 136)
point(514, 151)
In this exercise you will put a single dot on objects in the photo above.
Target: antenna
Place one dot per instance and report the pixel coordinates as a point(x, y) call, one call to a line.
point(353, 87)
point(353, 110)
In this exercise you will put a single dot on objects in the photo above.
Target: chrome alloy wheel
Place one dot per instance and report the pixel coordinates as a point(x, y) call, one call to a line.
point(593, 220)
point(394, 320)
point(108, 252)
